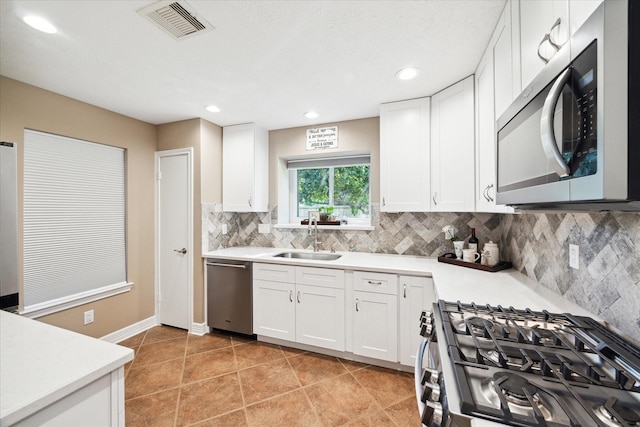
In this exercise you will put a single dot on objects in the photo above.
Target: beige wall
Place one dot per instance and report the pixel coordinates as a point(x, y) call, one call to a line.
point(211, 162)
point(24, 106)
point(206, 140)
point(353, 136)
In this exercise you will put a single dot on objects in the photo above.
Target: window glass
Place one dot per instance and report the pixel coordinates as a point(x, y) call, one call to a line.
point(342, 191)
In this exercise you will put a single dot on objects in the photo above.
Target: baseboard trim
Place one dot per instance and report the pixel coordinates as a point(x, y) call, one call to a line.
point(199, 329)
point(131, 330)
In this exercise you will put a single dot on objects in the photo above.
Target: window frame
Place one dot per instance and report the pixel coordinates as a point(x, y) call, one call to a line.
point(331, 163)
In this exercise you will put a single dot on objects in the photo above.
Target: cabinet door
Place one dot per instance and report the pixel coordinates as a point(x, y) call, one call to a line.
point(404, 156)
point(537, 19)
point(579, 11)
point(452, 149)
point(320, 317)
point(416, 294)
point(506, 66)
point(485, 137)
point(274, 310)
point(245, 173)
point(375, 325)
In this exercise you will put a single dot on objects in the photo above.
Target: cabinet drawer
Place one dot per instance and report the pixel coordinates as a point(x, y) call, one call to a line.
point(274, 272)
point(382, 283)
point(324, 277)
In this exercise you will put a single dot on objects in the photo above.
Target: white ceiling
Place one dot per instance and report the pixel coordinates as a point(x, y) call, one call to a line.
point(266, 61)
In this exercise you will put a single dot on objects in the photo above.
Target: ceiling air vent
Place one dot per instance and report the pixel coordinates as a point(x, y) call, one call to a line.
point(176, 18)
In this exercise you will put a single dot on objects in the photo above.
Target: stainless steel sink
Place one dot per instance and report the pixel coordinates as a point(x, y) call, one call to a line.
point(316, 256)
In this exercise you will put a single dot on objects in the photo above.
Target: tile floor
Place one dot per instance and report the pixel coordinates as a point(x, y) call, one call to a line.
point(178, 379)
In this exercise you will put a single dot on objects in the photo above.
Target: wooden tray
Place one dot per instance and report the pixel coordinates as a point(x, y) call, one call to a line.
point(306, 222)
point(502, 265)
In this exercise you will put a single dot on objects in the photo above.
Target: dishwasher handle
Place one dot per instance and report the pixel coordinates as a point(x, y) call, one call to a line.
point(217, 264)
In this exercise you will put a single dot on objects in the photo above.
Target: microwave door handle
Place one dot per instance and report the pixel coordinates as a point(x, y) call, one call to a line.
point(547, 135)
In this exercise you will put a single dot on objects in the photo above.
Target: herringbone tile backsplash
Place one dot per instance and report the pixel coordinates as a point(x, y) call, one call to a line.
point(607, 282)
point(395, 233)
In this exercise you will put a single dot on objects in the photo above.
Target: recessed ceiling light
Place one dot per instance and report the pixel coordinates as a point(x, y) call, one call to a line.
point(407, 73)
point(40, 24)
point(311, 115)
point(212, 109)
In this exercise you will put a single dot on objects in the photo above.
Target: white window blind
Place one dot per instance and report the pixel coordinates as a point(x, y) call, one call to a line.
point(74, 220)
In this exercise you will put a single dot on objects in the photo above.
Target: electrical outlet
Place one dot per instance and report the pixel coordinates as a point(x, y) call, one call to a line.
point(264, 228)
point(224, 229)
point(574, 256)
point(88, 317)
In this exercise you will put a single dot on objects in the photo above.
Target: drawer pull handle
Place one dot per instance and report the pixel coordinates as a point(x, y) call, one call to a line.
point(357, 306)
point(404, 289)
point(291, 296)
point(371, 282)
point(298, 297)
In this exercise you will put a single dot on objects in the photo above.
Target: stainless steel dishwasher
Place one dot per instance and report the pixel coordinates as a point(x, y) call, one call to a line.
point(230, 295)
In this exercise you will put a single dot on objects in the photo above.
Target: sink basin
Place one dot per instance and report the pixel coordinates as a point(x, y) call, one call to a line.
point(309, 255)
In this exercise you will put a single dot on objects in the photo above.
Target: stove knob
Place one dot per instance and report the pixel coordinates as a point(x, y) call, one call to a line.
point(426, 330)
point(430, 375)
point(433, 414)
point(431, 392)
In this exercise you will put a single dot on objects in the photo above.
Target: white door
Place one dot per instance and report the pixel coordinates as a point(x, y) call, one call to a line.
point(174, 220)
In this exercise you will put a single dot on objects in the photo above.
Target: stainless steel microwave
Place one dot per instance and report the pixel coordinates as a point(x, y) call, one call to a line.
point(572, 138)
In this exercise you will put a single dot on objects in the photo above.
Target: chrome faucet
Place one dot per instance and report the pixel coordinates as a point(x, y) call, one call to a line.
point(316, 242)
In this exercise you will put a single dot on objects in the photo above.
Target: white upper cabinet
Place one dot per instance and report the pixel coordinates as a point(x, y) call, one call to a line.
point(504, 46)
point(404, 156)
point(579, 11)
point(489, 85)
point(544, 28)
point(452, 148)
point(245, 170)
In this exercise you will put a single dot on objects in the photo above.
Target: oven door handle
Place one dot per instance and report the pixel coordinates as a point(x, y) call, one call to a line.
point(417, 376)
point(547, 135)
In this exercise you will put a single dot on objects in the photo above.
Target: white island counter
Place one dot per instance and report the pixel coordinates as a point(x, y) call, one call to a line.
point(51, 376)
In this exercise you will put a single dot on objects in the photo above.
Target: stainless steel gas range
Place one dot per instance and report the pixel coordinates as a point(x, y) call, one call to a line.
point(479, 365)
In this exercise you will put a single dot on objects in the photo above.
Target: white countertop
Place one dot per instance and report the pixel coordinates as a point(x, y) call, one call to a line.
point(452, 282)
point(40, 364)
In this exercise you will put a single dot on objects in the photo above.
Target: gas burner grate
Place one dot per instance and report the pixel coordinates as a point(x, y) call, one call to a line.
point(569, 366)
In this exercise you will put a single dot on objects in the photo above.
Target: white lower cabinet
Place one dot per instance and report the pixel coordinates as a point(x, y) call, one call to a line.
point(320, 316)
point(309, 306)
point(416, 294)
point(375, 315)
point(274, 314)
point(308, 310)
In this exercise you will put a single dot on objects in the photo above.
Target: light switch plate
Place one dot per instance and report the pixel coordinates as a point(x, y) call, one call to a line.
point(574, 256)
point(264, 228)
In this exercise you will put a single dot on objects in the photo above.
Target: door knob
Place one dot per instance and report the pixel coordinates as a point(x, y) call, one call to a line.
point(181, 251)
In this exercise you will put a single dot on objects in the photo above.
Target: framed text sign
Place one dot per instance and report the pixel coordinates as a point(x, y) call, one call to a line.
point(321, 138)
